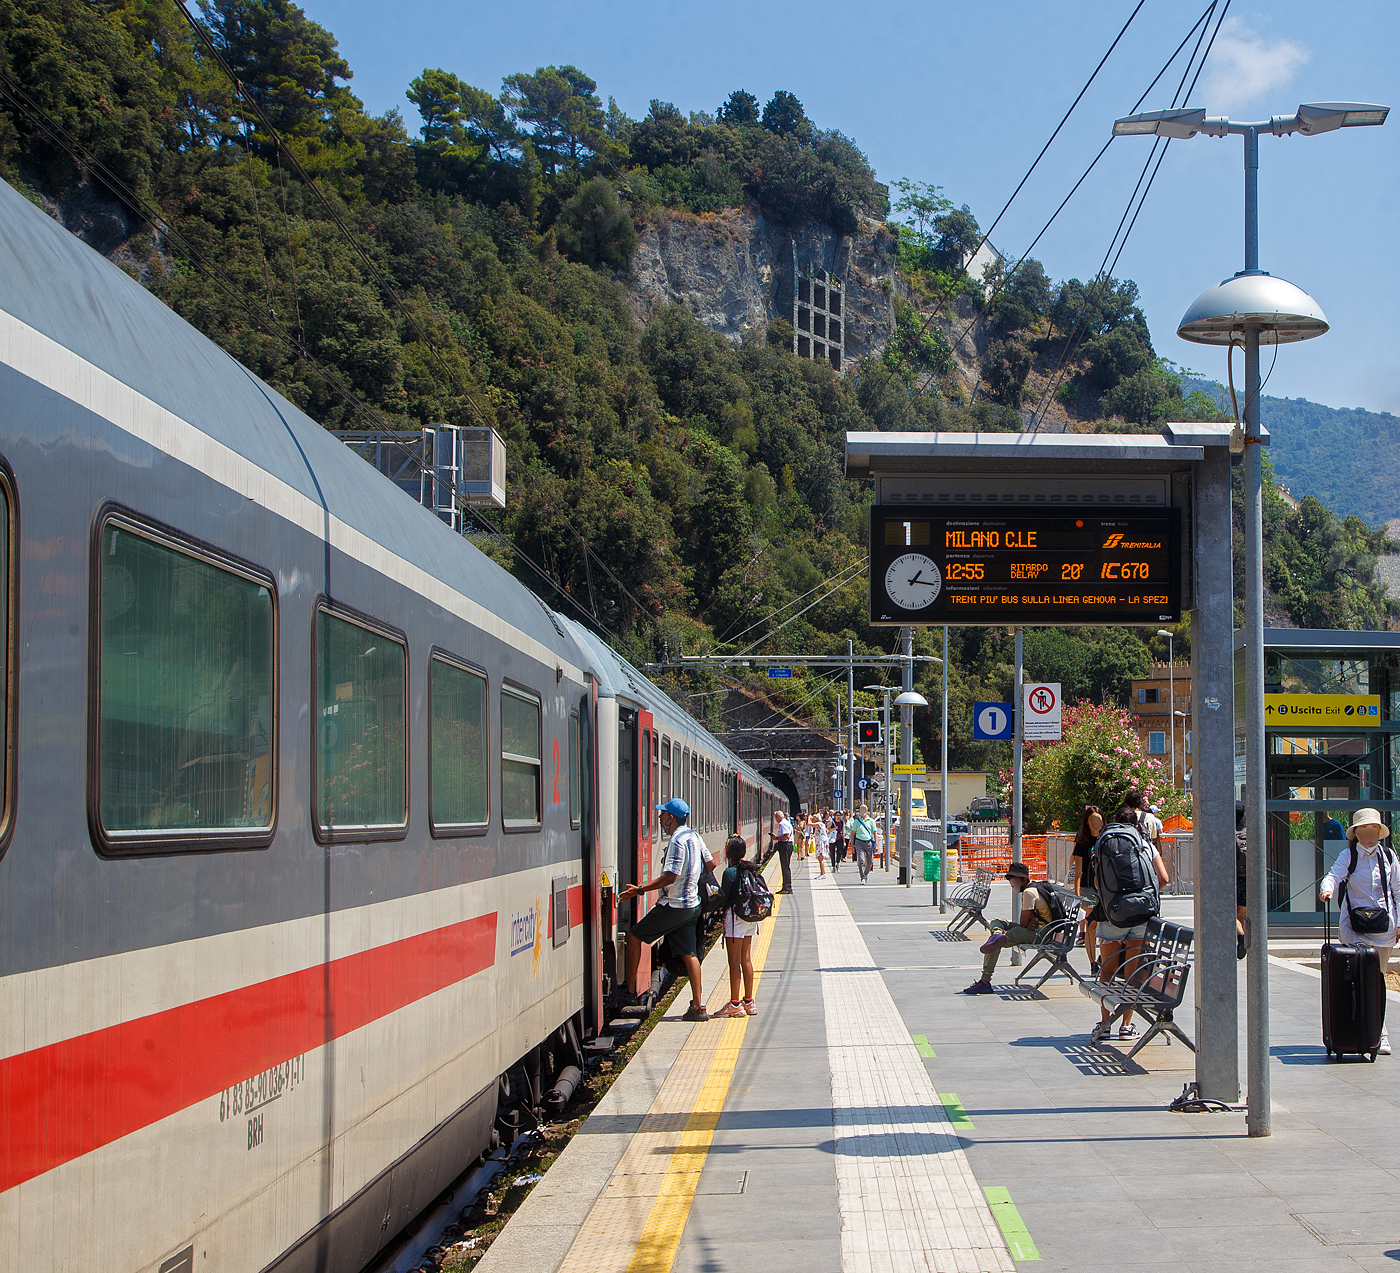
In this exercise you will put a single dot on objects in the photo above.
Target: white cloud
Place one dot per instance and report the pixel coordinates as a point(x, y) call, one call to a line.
point(1245, 64)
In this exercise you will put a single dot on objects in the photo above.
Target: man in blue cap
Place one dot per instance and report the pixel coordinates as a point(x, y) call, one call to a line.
point(677, 908)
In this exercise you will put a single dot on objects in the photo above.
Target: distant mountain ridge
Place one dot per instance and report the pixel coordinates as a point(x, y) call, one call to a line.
point(1347, 457)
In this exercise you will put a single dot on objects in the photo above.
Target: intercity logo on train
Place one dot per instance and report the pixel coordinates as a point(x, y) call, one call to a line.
point(522, 931)
point(1116, 540)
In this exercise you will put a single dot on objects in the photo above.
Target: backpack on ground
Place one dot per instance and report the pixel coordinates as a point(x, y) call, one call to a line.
point(1127, 883)
point(753, 900)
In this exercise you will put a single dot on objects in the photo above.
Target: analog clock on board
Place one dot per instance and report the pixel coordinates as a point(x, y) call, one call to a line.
point(913, 581)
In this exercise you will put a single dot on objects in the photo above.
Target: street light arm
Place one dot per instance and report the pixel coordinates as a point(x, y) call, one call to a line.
point(1310, 118)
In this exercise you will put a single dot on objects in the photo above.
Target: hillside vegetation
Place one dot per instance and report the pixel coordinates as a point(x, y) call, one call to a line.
point(1349, 458)
point(685, 492)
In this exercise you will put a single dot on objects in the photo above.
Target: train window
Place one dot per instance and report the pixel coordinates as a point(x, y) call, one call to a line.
point(695, 794)
point(575, 784)
point(185, 693)
point(457, 745)
point(361, 780)
point(655, 785)
point(520, 758)
point(665, 770)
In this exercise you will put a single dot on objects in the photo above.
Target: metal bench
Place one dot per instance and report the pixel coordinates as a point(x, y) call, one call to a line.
point(1054, 942)
point(971, 901)
point(1151, 983)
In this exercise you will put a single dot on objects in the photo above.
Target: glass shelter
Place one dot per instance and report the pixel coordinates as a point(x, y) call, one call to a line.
point(1332, 746)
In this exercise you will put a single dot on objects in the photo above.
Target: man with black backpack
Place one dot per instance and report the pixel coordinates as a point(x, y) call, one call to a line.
point(1130, 875)
point(1040, 904)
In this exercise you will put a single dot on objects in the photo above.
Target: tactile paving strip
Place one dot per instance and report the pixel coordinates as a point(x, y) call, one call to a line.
point(637, 1222)
point(908, 1200)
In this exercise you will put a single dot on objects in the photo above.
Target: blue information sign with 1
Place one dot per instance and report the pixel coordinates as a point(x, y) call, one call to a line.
point(862, 783)
point(992, 721)
point(780, 673)
point(838, 793)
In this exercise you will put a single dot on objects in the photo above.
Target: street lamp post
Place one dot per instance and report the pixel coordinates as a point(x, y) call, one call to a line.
point(886, 690)
point(1249, 309)
point(1171, 697)
point(906, 703)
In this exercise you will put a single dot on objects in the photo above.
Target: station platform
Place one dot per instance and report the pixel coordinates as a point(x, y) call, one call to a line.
point(870, 1118)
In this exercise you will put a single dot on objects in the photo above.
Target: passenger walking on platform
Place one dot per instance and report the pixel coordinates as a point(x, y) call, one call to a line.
point(821, 840)
point(1090, 827)
point(1123, 854)
point(838, 839)
point(1037, 908)
point(1368, 876)
point(676, 910)
point(738, 933)
point(863, 836)
point(782, 841)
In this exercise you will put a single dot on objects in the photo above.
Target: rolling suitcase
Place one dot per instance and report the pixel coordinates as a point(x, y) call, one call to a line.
point(1353, 997)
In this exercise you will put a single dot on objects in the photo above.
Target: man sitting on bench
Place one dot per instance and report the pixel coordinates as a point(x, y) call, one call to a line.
point(1036, 909)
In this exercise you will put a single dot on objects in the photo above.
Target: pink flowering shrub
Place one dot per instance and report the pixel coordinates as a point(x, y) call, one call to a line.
point(1098, 761)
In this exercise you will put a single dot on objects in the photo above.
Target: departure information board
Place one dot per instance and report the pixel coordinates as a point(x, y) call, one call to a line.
point(984, 567)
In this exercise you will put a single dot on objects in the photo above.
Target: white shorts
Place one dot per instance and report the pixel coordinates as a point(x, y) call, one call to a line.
point(736, 927)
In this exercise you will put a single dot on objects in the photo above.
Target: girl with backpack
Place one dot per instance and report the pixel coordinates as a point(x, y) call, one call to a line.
point(741, 881)
point(1367, 875)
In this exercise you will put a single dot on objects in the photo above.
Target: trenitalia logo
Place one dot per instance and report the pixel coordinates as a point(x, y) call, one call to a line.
point(1117, 541)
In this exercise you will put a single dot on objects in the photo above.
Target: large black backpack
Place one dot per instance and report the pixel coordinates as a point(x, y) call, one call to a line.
point(753, 900)
point(1127, 883)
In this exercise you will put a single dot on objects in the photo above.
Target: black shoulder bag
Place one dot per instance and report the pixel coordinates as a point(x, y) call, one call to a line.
point(1368, 920)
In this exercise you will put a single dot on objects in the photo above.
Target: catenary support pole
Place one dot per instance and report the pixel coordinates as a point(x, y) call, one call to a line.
point(1258, 1120)
point(1016, 791)
point(945, 809)
point(851, 800)
point(889, 789)
point(1213, 779)
point(906, 757)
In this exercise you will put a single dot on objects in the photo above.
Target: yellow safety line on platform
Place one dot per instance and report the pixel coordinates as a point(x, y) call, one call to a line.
point(609, 1240)
point(656, 1251)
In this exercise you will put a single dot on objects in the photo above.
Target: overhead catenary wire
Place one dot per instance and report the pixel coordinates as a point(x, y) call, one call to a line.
point(790, 619)
point(840, 579)
point(1005, 280)
point(1102, 279)
point(1020, 185)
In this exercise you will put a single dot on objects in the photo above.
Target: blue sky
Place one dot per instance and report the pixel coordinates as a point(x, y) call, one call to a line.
point(964, 96)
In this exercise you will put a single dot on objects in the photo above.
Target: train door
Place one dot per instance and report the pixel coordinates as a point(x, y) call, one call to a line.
point(647, 753)
point(597, 906)
point(628, 913)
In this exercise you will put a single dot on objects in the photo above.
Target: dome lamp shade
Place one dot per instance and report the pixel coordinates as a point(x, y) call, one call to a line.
point(1279, 311)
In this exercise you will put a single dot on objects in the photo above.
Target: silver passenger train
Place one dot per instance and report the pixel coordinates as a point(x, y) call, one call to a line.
point(312, 815)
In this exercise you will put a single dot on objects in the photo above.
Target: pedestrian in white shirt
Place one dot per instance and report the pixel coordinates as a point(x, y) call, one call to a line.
point(1368, 876)
point(822, 839)
point(782, 841)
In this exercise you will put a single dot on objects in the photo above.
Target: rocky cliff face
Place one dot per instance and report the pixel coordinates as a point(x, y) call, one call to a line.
point(737, 272)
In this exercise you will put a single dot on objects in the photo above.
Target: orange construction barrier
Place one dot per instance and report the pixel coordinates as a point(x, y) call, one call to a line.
point(993, 853)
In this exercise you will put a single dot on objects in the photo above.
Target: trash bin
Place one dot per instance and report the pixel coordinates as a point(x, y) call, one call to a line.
point(930, 866)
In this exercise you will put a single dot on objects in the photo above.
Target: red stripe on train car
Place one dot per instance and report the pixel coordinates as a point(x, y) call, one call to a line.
point(576, 907)
point(69, 1098)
